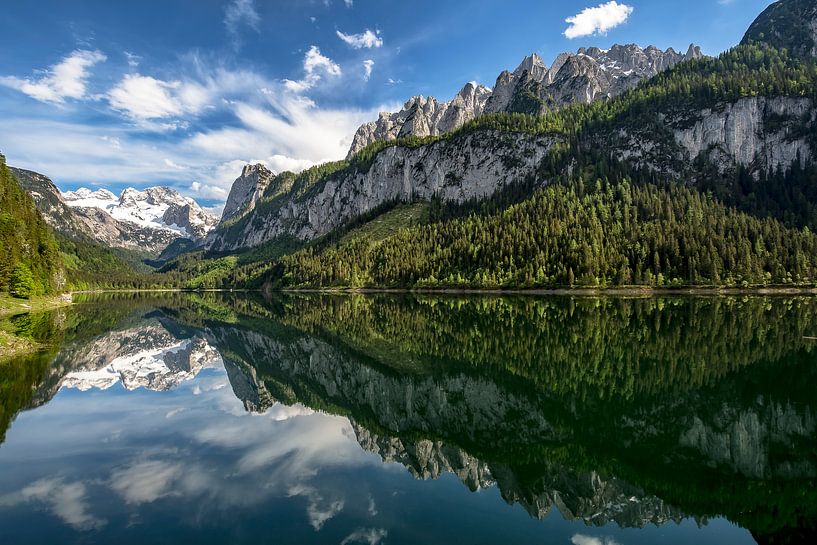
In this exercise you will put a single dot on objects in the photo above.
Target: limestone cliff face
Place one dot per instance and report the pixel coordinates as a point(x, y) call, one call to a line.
point(745, 440)
point(246, 190)
point(475, 165)
point(589, 497)
point(757, 132)
point(424, 117)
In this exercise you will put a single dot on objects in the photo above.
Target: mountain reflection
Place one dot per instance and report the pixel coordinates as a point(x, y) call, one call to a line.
point(629, 411)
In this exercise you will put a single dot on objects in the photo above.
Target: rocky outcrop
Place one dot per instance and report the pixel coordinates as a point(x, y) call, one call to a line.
point(246, 190)
point(588, 75)
point(424, 117)
point(745, 440)
point(589, 497)
point(757, 132)
point(456, 170)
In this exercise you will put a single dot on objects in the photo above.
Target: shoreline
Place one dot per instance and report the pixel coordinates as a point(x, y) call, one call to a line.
point(588, 292)
point(11, 345)
point(595, 292)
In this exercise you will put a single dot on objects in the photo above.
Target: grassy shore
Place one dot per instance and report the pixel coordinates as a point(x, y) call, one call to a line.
point(13, 305)
point(10, 343)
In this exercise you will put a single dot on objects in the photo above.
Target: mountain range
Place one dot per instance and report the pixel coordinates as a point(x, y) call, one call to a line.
point(583, 77)
point(727, 138)
point(146, 221)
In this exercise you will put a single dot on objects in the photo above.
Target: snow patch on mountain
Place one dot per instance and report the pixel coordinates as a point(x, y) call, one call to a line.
point(154, 208)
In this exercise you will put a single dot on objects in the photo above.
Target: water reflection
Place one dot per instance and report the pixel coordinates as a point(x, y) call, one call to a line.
point(216, 418)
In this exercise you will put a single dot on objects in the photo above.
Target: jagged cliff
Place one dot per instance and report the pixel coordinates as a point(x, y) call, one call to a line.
point(590, 497)
point(587, 75)
point(424, 117)
point(758, 133)
point(458, 169)
point(246, 190)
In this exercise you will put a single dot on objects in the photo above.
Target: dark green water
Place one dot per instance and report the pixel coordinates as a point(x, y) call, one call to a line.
point(401, 419)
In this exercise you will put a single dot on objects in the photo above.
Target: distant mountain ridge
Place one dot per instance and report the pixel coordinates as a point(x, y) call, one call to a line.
point(154, 207)
point(585, 76)
point(146, 221)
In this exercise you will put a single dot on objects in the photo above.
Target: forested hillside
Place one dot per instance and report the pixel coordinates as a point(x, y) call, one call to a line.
point(30, 261)
point(603, 220)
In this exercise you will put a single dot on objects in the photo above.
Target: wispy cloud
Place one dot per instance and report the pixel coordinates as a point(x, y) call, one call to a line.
point(597, 20)
point(368, 66)
point(66, 500)
point(366, 39)
point(239, 14)
point(66, 79)
point(316, 65)
point(368, 536)
point(146, 98)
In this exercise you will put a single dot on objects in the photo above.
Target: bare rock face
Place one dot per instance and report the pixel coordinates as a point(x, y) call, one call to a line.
point(246, 190)
point(758, 132)
point(424, 117)
point(585, 76)
point(457, 170)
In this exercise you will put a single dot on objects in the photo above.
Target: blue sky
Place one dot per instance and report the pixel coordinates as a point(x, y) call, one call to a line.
point(183, 92)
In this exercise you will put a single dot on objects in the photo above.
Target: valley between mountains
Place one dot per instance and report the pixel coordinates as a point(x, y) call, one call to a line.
point(630, 166)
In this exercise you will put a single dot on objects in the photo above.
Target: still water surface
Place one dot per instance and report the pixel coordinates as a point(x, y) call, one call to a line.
point(401, 419)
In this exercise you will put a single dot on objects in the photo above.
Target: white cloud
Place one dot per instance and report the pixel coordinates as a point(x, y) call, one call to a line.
point(146, 482)
point(67, 79)
point(597, 20)
point(267, 122)
point(319, 510)
point(366, 39)
point(581, 539)
point(316, 65)
point(369, 536)
point(368, 65)
point(349, 3)
point(145, 98)
point(240, 13)
point(66, 500)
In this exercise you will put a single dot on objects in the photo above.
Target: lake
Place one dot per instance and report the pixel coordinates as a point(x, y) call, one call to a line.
point(374, 419)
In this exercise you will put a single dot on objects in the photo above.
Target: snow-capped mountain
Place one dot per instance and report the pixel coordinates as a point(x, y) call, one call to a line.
point(159, 208)
point(147, 357)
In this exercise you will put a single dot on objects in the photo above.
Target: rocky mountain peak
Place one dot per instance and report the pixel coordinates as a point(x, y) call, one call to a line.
point(424, 116)
point(587, 75)
point(533, 65)
point(246, 190)
point(161, 210)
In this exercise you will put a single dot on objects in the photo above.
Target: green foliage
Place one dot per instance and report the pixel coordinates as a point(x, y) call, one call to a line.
point(21, 282)
point(785, 25)
point(573, 233)
point(29, 261)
